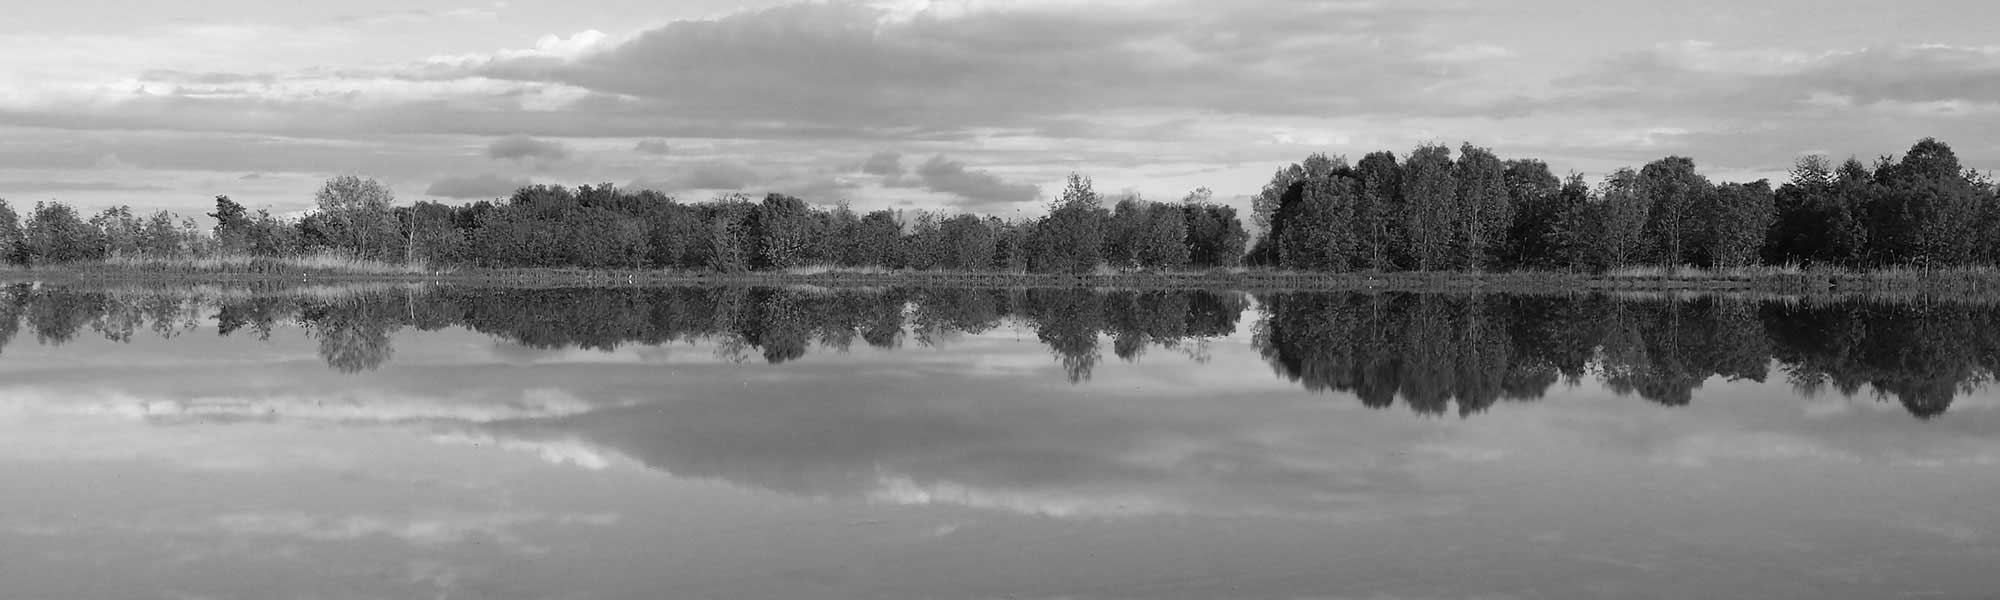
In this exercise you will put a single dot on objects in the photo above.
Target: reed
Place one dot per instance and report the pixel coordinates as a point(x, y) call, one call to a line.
point(324, 263)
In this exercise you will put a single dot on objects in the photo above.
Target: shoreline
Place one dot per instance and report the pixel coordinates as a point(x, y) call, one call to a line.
point(1951, 282)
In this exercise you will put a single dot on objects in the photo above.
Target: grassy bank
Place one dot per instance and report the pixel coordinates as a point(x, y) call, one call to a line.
point(1786, 280)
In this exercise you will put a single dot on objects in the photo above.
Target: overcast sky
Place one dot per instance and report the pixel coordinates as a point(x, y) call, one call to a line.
point(958, 104)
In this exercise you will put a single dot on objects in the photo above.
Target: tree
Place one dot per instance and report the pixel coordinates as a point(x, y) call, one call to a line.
point(1622, 222)
point(1429, 193)
point(969, 243)
point(1737, 223)
point(923, 247)
point(55, 234)
point(729, 244)
point(875, 240)
point(786, 232)
point(426, 228)
point(1677, 196)
point(1125, 231)
point(118, 230)
point(1263, 208)
point(359, 208)
point(160, 237)
point(1378, 210)
point(1925, 208)
point(1484, 211)
point(10, 225)
point(1215, 237)
point(1071, 238)
point(1572, 241)
point(232, 225)
point(1535, 193)
point(1165, 243)
point(1317, 234)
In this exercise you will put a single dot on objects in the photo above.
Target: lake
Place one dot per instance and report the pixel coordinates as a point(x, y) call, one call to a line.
point(396, 441)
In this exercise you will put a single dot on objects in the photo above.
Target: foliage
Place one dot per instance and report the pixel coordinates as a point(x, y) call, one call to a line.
point(1428, 212)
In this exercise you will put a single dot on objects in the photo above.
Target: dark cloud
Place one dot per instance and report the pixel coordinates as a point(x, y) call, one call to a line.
point(653, 147)
point(476, 186)
point(841, 65)
point(975, 188)
point(846, 73)
point(886, 164)
point(522, 147)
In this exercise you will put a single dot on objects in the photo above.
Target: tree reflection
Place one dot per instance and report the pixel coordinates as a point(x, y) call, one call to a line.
point(1434, 353)
point(1439, 351)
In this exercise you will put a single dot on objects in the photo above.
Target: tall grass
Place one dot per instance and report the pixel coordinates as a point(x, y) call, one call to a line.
point(323, 263)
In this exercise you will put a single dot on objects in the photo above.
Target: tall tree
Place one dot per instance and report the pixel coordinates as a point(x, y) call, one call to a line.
point(1071, 238)
point(118, 230)
point(232, 225)
point(1429, 193)
point(1215, 236)
point(1677, 196)
point(10, 224)
point(1620, 235)
point(1378, 210)
point(1737, 223)
point(1535, 193)
point(786, 231)
point(1165, 244)
point(360, 207)
point(1318, 233)
point(1484, 211)
point(56, 234)
point(1572, 241)
point(1125, 232)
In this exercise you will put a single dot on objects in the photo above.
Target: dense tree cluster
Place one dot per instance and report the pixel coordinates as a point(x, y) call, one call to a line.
point(1477, 212)
point(1433, 210)
point(604, 227)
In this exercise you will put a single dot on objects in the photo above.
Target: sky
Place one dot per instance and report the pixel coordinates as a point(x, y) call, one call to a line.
point(957, 105)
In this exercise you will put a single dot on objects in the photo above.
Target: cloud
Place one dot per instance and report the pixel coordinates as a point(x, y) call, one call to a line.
point(819, 189)
point(1697, 77)
point(77, 186)
point(1756, 106)
point(522, 147)
point(434, 529)
point(1150, 85)
point(476, 186)
point(887, 164)
point(843, 67)
point(975, 188)
point(419, 16)
point(718, 176)
point(653, 147)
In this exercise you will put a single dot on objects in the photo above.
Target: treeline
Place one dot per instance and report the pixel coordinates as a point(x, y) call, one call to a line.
point(1432, 211)
point(1429, 211)
point(605, 227)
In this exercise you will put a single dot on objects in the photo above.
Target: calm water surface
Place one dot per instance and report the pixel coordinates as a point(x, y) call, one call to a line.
point(393, 442)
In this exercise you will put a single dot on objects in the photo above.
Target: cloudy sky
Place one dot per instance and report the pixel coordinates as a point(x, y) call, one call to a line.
point(959, 104)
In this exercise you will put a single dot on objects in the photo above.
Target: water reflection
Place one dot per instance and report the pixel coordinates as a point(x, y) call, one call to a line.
point(909, 443)
point(1435, 353)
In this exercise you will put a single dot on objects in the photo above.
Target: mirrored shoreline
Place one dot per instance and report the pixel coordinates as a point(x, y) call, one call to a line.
point(1433, 353)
